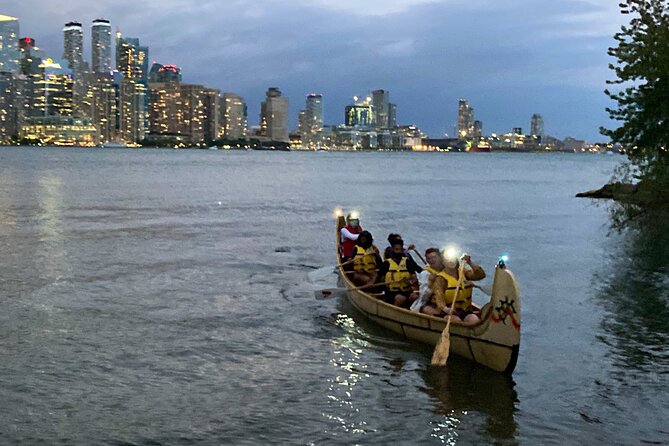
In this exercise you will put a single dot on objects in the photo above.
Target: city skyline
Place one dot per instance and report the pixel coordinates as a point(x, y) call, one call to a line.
point(528, 76)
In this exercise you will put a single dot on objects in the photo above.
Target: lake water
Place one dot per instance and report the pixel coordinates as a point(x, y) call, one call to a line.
point(160, 297)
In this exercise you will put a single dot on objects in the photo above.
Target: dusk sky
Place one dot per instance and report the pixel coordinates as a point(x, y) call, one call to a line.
point(509, 59)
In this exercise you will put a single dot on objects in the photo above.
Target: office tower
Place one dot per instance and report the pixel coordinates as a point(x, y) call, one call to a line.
point(537, 125)
point(73, 53)
point(132, 59)
point(233, 117)
point(465, 120)
point(478, 129)
point(380, 102)
point(193, 112)
point(101, 45)
point(165, 108)
point(212, 118)
point(102, 100)
point(9, 43)
point(310, 120)
point(164, 73)
point(274, 116)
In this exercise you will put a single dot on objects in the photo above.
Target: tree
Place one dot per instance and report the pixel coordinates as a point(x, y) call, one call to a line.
point(642, 96)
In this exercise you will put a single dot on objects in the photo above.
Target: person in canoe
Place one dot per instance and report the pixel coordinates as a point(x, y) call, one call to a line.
point(389, 249)
point(365, 261)
point(350, 234)
point(443, 282)
point(399, 272)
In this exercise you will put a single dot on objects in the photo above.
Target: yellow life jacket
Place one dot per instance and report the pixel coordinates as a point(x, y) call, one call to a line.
point(397, 277)
point(364, 260)
point(464, 296)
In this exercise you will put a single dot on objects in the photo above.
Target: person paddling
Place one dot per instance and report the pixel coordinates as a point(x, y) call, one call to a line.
point(399, 271)
point(443, 282)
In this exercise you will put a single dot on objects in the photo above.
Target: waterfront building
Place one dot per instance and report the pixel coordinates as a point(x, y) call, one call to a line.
point(193, 109)
point(310, 120)
point(359, 115)
point(164, 108)
point(53, 91)
point(478, 130)
point(9, 44)
point(537, 125)
point(212, 114)
point(73, 53)
point(380, 102)
point(274, 116)
point(102, 100)
point(392, 115)
point(465, 120)
point(101, 45)
point(233, 117)
point(132, 61)
point(12, 105)
point(60, 130)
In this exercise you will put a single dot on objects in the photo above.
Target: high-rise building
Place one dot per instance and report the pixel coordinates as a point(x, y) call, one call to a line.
point(165, 108)
point(537, 125)
point(465, 120)
point(274, 116)
point(12, 105)
point(164, 73)
point(54, 90)
point(212, 114)
point(359, 115)
point(380, 102)
point(311, 120)
point(132, 61)
point(9, 43)
point(102, 102)
point(73, 53)
point(233, 117)
point(392, 115)
point(101, 45)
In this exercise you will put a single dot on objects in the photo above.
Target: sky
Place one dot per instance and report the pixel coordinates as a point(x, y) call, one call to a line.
point(509, 59)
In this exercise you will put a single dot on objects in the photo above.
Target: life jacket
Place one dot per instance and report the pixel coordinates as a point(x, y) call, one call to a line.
point(398, 276)
point(364, 260)
point(464, 296)
point(347, 245)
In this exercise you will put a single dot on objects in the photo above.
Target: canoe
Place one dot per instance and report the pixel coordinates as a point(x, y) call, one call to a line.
point(493, 342)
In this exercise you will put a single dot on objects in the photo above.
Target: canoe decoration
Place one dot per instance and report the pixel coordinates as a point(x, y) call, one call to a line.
point(493, 342)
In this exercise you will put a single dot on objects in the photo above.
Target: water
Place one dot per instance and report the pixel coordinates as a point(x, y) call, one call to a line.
point(160, 297)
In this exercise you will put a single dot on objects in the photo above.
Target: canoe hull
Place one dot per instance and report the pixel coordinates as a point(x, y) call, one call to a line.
point(493, 342)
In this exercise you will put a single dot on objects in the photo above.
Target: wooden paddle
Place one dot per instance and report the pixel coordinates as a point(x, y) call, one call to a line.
point(419, 256)
point(321, 273)
point(329, 292)
point(441, 350)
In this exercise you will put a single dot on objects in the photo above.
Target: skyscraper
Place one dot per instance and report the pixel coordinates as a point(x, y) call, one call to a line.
point(101, 46)
point(311, 120)
point(9, 43)
point(132, 61)
point(537, 125)
point(465, 120)
point(102, 100)
point(274, 116)
point(233, 117)
point(73, 53)
point(380, 102)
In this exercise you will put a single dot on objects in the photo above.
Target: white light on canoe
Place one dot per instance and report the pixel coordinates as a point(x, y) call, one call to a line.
point(338, 212)
point(504, 258)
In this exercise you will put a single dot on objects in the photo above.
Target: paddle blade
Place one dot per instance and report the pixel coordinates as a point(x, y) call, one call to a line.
point(328, 293)
point(321, 273)
point(440, 355)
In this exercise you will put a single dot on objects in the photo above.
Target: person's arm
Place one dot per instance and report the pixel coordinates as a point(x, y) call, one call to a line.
point(476, 272)
point(412, 266)
point(383, 268)
point(346, 234)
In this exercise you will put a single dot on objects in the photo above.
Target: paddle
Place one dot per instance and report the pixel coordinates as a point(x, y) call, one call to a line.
point(321, 273)
point(419, 256)
point(441, 350)
point(326, 293)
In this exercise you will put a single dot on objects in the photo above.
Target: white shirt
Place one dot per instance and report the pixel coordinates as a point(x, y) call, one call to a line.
point(346, 234)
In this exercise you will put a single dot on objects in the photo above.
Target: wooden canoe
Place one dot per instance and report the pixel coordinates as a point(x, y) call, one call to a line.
point(492, 342)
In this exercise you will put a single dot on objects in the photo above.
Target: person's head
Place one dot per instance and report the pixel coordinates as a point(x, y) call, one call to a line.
point(434, 258)
point(353, 220)
point(397, 246)
point(392, 237)
point(365, 239)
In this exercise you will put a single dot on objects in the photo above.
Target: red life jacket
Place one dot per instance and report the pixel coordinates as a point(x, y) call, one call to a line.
point(348, 244)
